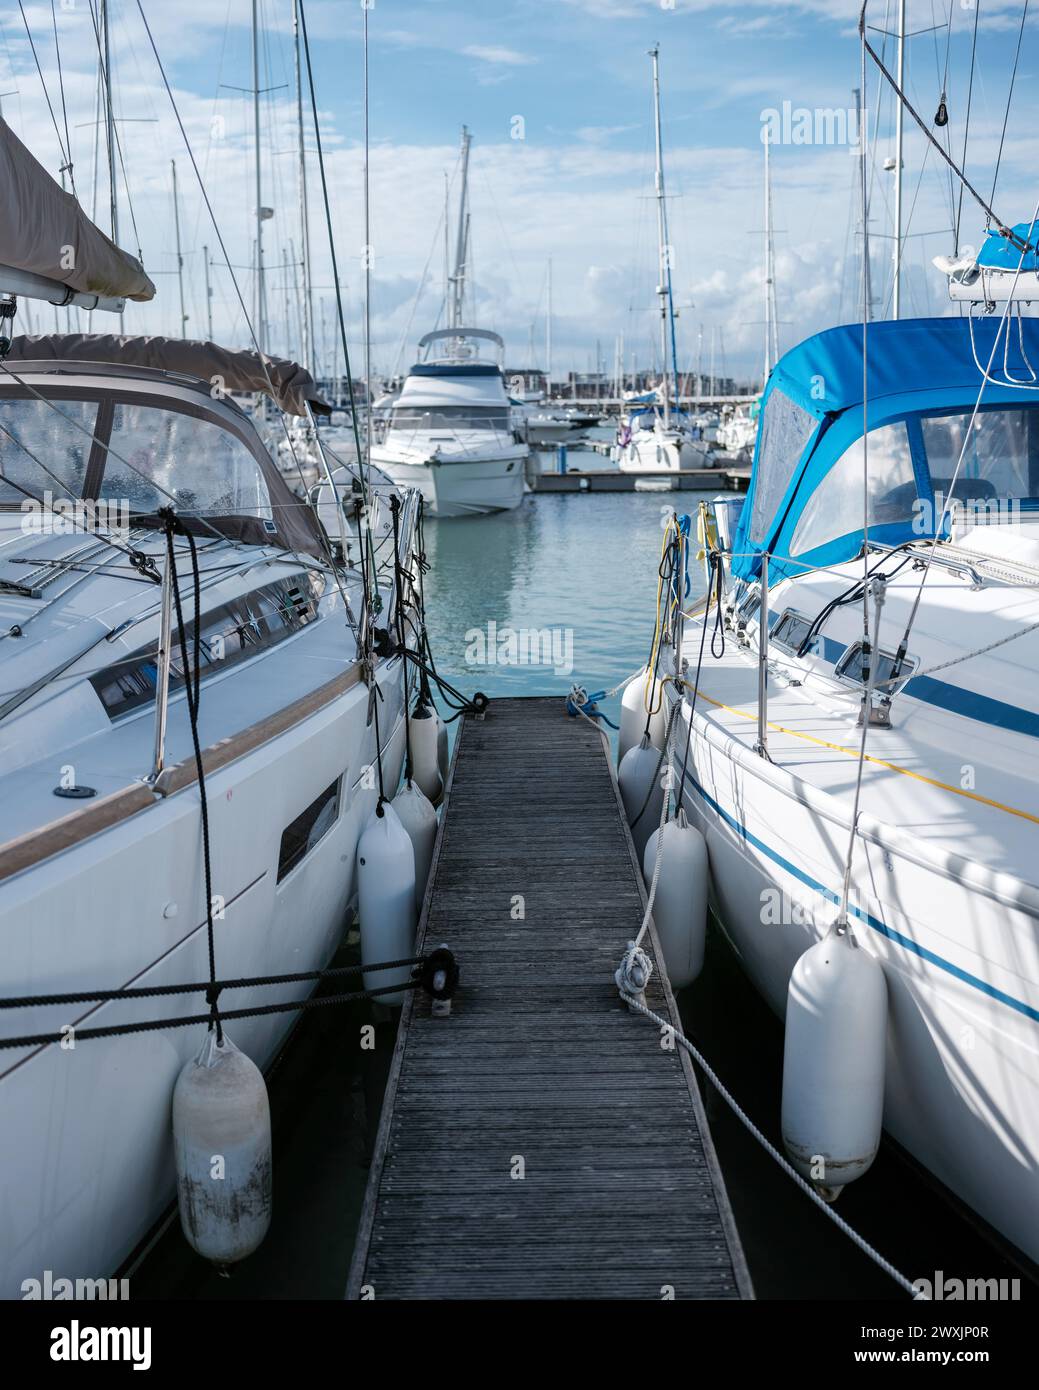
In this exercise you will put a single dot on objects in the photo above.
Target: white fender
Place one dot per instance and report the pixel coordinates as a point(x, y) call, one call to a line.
point(833, 1061)
point(420, 821)
point(423, 740)
point(680, 904)
point(222, 1152)
point(637, 779)
point(386, 900)
point(633, 716)
point(441, 746)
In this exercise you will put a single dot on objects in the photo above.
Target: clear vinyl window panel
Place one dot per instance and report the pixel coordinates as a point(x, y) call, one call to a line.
point(44, 447)
point(165, 456)
point(836, 507)
point(785, 431)
point(1000, 454)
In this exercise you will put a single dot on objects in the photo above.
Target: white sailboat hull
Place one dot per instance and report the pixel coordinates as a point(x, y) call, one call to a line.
point(959, 945)
point(652, 452)
point(87, 1150)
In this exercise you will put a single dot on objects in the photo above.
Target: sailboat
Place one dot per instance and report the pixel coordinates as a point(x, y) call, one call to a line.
point(861, 751)
point(653, 435)
point(105, 840)
point(451, 431)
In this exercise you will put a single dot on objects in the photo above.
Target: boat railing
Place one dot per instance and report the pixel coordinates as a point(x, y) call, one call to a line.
point(162, 665)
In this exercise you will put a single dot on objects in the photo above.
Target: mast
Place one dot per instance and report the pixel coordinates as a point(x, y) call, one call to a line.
point(896, 294)
point(113, 202)
point(209, 296)
point(304, 207)
point(458, 278)
point(548, 334)
point(180, 258)
point(664, 269)
point(447, 246)
point(261, 337)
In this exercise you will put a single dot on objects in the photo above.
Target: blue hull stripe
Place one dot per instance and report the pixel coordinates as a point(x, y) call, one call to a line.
point(877, 925)
point(955, 698)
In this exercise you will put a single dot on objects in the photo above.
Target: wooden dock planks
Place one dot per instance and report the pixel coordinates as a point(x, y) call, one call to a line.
point(540, 1142)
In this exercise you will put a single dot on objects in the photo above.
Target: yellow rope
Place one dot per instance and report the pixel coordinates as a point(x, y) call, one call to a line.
point(870, 758)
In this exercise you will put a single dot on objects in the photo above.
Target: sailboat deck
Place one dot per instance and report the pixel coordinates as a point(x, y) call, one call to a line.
point(539, 1142)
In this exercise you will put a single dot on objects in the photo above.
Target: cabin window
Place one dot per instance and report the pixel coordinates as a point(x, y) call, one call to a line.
point(1000, 455)
point(849, 667)
point(301, 835)
point(450, 417)
point(791, 630)
point(198, 465)
point(230, 633)
point(34, 429)
point(785, 431)
point(835, 508)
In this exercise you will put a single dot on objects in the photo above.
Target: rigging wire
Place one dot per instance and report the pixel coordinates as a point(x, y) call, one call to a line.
point(65, 155)
point(966, 123)
point(1010, 98)
point(61, 89)
point(1002, 226)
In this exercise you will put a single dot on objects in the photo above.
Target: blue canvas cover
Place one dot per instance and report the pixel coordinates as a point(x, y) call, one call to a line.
point(812, 413)
point(999, 253)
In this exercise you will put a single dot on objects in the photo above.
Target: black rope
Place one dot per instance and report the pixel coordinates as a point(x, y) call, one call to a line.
point(108, 996)
point(399, 575)
point(718, 635)
point(1001, 226)
point(849, 595)
point(192, 689)
point(119, 1030)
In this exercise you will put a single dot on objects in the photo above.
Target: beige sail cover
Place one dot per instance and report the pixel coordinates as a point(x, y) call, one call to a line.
point(44, 230)
point(287, 383)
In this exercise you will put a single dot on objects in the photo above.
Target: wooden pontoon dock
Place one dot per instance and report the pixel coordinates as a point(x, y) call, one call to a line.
point(540, 1142)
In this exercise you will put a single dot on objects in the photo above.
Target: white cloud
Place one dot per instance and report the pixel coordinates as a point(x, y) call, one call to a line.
point(492, 53)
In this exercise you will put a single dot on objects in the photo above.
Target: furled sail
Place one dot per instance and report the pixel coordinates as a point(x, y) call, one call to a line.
point(225, 369)
point(44, 232)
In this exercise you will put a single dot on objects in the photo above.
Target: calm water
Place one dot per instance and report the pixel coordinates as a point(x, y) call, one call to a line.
point(583, 565)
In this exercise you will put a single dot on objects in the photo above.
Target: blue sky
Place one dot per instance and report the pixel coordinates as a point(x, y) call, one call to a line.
point(576, 188)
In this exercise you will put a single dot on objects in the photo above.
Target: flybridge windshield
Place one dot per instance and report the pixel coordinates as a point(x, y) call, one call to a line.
point(147, 455)
point(450, 417)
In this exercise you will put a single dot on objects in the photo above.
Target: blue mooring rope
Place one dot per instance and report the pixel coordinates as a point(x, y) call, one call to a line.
point(580, 702)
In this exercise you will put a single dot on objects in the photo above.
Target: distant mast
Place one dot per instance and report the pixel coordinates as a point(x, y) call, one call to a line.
point(309, 352)
point(662, 286)
point(462, 245)
point(896, 289)
point(261, 336)
point(771, 317)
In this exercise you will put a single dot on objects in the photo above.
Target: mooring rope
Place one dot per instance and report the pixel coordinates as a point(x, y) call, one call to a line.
point(668, 1029)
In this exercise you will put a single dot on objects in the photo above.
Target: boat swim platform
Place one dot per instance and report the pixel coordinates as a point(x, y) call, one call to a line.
point(613, 480)
point(540, 1141)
